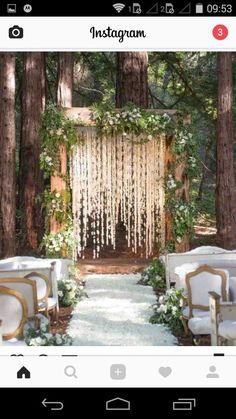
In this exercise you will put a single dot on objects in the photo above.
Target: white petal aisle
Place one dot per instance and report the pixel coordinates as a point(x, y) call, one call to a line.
point(117, 313)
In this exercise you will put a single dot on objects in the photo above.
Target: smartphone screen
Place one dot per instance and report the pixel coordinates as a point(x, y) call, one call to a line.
point(117, 208)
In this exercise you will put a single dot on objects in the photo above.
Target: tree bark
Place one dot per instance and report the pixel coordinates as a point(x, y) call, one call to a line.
point(65, 79)
point(31, 177)
point(132, 79)
point(7, 155)
point(225, 181)
point(64, 99)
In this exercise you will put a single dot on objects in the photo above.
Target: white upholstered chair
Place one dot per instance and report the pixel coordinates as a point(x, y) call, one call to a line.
point(46, 301)
point(0, 332)
point(223, 321)
point(216, 257)
point(198, 284)
point(13, 314)
point(44, 275)
point(27, 288)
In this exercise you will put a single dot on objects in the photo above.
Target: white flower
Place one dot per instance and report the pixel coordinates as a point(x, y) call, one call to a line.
point(163, 308)
point(43, 327)
point(60, 294)
point(58, 339)
point(38, 340)
point(174, 310)
point(48, 336)
point(57, 195)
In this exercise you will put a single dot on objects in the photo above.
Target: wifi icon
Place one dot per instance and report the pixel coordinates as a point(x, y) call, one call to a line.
point(119, 7)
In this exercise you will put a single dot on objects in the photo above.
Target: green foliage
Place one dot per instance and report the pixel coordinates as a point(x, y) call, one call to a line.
point(60, 244)
point(154, 275)
point(57, 204)
point(70, 292)
point(132, 121)
point(38, 334)
point(168, 310)
point(185, 148)
point(183, 215)
point(56, 130)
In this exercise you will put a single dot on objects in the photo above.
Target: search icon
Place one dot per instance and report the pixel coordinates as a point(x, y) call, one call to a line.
point(70, 371)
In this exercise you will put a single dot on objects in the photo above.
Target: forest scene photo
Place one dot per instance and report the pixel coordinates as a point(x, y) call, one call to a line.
point(117, 198)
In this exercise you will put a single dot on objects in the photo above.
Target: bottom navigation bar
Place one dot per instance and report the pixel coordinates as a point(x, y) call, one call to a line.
point(125, 402)
point(118, 371)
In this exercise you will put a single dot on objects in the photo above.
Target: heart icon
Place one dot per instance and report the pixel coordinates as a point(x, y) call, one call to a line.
point(165, 371)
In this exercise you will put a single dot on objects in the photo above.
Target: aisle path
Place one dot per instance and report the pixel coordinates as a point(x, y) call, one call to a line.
point(117, 313)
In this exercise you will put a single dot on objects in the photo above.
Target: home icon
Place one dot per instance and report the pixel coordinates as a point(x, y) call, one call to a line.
point(23, 373)
point(117, 404)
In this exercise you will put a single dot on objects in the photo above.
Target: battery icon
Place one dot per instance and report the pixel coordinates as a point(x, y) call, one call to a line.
point(199, 8)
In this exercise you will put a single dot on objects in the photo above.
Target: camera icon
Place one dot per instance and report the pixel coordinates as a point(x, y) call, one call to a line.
point(16, 32)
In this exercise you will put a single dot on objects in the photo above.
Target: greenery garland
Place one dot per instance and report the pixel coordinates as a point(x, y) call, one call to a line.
point(57, 129)
point(137, 125)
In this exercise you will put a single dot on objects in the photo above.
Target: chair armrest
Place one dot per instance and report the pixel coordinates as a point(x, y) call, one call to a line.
point(214, 296)
point(232, 288)
point(214, 305)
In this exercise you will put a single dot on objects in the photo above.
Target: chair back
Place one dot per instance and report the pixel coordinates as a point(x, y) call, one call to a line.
point(13, 313)
point(27, 288)
point(42, 284)
point(203, 280)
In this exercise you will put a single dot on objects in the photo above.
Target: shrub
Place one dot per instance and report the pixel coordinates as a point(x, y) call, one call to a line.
point(41, 336)
point(168, 310)
point(69, 292)
point(154, 275)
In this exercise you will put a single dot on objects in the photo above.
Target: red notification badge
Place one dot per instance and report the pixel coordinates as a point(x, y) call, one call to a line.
point(220, 32)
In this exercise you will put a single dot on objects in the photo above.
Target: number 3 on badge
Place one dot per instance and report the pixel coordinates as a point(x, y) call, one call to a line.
point(220, 32)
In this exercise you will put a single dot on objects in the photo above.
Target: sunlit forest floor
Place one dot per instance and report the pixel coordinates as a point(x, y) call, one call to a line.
point(205, 232)
point(205, 225)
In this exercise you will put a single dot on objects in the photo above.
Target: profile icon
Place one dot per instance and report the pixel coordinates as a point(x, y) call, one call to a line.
point(212, 372)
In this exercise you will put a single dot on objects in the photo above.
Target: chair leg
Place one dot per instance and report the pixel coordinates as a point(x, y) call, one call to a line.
point(47, 313)
point(185, 325)
point(56, 314)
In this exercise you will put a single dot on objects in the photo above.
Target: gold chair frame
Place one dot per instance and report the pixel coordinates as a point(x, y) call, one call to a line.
point(45, 309)
point(201, 269)
point(23, 280)
point(22, 300)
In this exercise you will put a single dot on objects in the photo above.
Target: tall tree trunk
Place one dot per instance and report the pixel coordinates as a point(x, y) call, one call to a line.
point(65, 79)
point(132, 79)
point(225, 181)
point(64, 99)
point(7, 155)
point(31, 177)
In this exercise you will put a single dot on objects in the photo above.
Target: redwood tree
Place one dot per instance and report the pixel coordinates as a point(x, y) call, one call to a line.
point(65, 79)
point(225, 181)
point(7, 155)
point(31, 177)
point(132, 79)
point(64, 99)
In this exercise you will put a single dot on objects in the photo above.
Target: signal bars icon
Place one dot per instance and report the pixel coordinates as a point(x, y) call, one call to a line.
point(118, 7)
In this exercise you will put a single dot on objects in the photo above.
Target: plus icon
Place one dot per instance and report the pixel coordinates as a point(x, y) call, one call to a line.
point(118, 372)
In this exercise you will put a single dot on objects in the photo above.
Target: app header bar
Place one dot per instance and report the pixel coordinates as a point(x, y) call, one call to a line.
point(150, 34)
